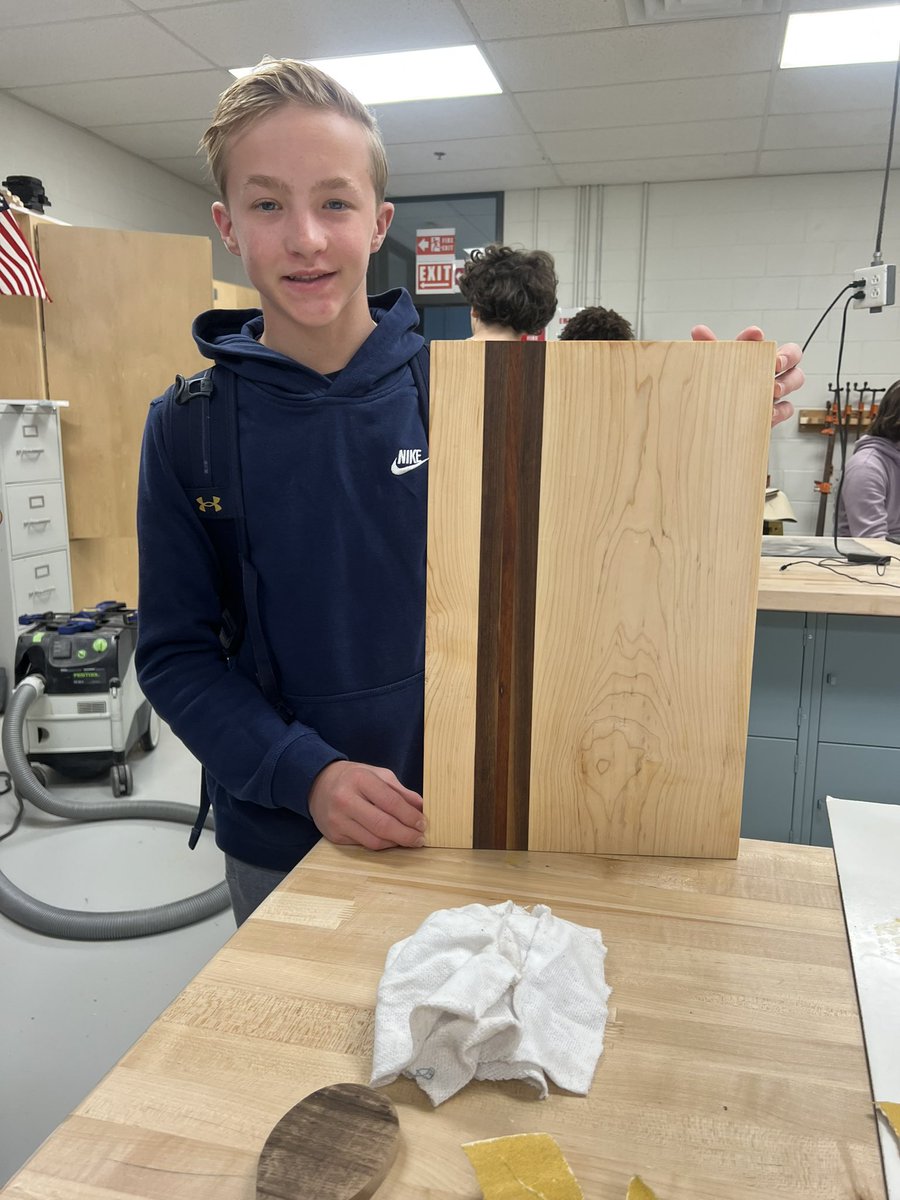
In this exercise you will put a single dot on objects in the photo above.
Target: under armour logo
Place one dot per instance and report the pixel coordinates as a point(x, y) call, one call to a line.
point(206, 505)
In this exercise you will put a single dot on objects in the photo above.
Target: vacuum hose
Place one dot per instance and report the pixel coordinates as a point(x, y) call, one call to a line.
point(90, 926)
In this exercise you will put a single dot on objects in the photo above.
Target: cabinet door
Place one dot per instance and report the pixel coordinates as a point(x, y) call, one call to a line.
point(768, 789)
point(777, 674)
point(117, 331)
point(861, 686)
point(853, 773)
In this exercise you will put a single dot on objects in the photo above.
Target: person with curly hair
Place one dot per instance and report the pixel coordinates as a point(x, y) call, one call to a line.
point(511, 292)
point(597, 324)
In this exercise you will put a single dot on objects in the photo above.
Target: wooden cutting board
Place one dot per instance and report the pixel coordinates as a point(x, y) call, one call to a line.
point(336, 1144)
point(595, 511)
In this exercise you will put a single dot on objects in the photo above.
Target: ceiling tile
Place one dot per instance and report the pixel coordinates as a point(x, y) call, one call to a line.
point(14, 13)
point(165, 139)
point(833, 89)
point(488, 116)
point(489, 180)
point(828, 129)
point(101, 48)
point(812, 162)
point(660, 170)
point(535, 18)
point(684, 51)
point(646, 103)
point(653, 141)
point(130, 101)
point(415, 158)
point(240, 32)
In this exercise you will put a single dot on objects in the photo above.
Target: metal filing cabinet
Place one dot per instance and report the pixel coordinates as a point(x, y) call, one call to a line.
point(34, 539)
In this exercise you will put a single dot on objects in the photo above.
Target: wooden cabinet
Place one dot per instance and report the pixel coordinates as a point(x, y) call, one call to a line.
point(234, 295)
point(115, 334)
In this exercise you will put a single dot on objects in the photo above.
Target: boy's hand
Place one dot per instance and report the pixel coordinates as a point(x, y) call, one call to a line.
point(353, 804)
point(788, 376)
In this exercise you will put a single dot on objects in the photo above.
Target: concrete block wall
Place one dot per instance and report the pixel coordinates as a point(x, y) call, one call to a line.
point(771, 251)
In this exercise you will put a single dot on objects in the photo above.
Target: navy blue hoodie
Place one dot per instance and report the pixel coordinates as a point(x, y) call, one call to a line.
point(338, 539)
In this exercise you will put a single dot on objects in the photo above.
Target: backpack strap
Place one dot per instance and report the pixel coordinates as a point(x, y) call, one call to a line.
point(420, 367)
point(206, 458)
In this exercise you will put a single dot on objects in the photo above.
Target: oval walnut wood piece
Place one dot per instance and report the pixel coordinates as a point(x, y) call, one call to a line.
point(336, 1144)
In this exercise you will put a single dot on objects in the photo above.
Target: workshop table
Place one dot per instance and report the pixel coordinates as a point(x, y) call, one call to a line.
point(733, 1066)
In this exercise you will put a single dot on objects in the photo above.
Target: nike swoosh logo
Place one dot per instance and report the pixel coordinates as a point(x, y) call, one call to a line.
point(395, 470)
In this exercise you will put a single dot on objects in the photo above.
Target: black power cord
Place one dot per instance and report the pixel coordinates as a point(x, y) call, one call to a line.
point(857, 283)
point(842, 435)
point(6, 786)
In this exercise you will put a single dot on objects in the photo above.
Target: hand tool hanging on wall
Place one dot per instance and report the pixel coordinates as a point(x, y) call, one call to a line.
point(873, 407)
point(860, 390)
point(823, 485)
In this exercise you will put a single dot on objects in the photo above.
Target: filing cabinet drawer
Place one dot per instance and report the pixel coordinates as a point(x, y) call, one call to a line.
point(41, 583)
point(36, 518)
point(29, 445)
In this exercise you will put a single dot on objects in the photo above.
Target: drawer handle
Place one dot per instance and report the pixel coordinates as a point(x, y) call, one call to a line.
point(831, 680)
point(37, 521)
point(42, 591)
point(31, 453)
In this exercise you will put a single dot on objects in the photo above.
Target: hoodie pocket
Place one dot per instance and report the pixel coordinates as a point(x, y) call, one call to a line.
point(382, 726)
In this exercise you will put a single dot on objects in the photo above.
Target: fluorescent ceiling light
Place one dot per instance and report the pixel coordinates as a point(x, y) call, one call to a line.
point(850, 35)
point(409, 75)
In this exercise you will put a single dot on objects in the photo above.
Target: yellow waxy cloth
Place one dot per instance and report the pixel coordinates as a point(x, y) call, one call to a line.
point(521, 1167)
point(892, 1112)
point(638, 1190)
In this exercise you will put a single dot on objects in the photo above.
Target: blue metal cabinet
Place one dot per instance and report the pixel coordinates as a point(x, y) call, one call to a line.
point(769, 789)
point(824, 720)
point(853, 773)
point(777, 674)
point(861, 686)
point(778, 727)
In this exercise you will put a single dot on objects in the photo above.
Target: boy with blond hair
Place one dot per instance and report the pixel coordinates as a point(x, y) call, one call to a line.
point(327, 407)
point(311, 724)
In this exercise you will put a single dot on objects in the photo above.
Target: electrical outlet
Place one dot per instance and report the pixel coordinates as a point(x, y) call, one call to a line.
point(878, 284)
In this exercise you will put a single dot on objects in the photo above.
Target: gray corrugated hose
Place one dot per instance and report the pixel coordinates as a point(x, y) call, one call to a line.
point(25, 910)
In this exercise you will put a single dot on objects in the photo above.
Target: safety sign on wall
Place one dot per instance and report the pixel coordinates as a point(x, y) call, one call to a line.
point(437, 268)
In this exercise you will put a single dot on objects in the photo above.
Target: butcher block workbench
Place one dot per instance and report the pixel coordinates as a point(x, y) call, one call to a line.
point(847, 589)
point(733, 1067)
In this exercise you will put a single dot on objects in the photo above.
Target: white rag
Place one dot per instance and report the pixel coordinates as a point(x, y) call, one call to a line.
point(492, 993)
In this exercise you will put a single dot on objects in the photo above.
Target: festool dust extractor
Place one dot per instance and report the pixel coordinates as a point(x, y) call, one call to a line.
point(78, 708)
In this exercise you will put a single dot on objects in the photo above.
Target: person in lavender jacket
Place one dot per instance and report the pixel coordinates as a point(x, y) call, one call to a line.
point(870, 493)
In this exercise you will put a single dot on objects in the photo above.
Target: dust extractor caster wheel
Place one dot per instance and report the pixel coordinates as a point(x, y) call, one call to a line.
point(121, 779)
point(150, 736)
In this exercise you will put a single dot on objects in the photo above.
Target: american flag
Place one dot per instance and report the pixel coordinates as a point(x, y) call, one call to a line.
point(19, 273)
